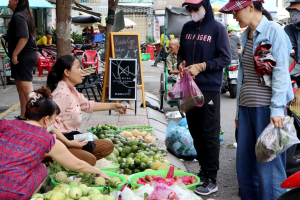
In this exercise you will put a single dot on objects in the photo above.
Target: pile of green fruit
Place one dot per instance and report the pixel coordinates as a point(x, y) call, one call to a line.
point(133, 156)
point(101, 129)
point(82, 192)
point(90, 180)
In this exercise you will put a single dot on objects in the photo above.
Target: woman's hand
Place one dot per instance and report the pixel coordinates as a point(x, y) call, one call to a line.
point(182, 65)
point(76, 143)
point(122, 107)
point(15, 59)
point(105, 176)
point(236, 123)
point(195, 69)
point(277, 121)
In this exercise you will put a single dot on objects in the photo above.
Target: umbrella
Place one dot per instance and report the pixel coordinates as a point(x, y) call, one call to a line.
point(219, 3)
point(129, 23)
point(32, 4)
point(85, 19)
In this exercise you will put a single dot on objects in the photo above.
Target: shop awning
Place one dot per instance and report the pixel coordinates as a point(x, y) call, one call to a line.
point(161, 20)
point(35, 4)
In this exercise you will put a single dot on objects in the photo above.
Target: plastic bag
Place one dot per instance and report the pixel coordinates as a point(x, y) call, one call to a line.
point(176, 92)
point(179, 141)
point(273, 141)
point(182, 191)
point(141, 191)
point(191, 94)
point(162, 192)
point(188, 92)
point(128, 194)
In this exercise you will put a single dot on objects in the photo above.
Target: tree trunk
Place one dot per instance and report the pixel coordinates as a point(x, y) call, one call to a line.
point(63, 27)
point(112, 5)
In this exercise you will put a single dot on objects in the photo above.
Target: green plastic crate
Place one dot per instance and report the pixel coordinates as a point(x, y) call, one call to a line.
point(110, 174)
point(139, 128)
point(143, 57)
point(162, 173)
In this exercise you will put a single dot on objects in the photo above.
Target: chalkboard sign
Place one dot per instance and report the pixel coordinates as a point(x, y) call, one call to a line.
point(127, 46)
point(122, 79)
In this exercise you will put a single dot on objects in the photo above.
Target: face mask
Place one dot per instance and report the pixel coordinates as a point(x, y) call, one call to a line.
point(295, 16)
point(235, 33)
point(50, 128)
point(197, 16)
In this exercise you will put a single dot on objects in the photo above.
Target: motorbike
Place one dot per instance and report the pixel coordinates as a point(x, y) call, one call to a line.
point(294, 183)
point(230, 76)
point(143, 46)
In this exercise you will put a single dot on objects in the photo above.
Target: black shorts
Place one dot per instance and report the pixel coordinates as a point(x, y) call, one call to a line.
point(23, 70)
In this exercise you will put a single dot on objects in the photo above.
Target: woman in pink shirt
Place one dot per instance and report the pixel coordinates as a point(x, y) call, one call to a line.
point(65, 74)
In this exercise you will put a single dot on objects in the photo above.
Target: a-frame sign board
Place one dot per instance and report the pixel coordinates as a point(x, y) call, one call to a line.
point(124, 46)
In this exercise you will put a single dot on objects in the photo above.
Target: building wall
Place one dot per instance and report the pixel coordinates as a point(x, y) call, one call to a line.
point(162, 4)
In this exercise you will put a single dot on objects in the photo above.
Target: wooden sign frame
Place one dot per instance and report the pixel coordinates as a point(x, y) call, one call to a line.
point(111, 54)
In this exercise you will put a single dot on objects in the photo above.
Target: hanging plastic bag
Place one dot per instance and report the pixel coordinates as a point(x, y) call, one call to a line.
point(188, 92)
point(162, 192)
point(175, 93)
point(273, 141)
point(179, 141)
point(191, 94)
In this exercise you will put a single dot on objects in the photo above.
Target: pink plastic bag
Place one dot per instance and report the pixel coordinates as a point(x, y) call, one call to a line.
point(162, 192)
point(191, 94)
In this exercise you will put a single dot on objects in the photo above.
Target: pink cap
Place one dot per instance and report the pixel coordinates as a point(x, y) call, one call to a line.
point(195, 2)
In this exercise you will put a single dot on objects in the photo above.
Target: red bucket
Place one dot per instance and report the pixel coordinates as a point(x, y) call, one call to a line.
point(151, 50)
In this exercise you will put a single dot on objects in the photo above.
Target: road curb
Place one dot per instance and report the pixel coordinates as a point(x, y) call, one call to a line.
point(11, 109)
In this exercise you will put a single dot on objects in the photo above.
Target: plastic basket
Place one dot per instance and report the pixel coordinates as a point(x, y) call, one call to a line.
point(139, 128)
point(111, 169)
point(110, 174)
point(111, 132)
point(162, 173)
point(148, 56)
point(143, 57)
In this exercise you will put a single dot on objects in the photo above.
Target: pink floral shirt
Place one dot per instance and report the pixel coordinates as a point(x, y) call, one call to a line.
point(71, 103)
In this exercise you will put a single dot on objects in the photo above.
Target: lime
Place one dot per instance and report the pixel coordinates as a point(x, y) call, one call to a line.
point(101, 136)
point(134, 148)
point(148, 165)
point(143, 166)
point(122, 165)
point(136, 170)
point(127, 171)
point(137, 162)
point(131, 166)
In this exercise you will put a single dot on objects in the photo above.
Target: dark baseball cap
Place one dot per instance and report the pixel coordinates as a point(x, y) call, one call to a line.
point(48, 33)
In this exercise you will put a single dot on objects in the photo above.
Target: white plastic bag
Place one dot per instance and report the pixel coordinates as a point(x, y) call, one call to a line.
point(144, 189)
point(127, 194)
point(182, 191)
point(273, 141)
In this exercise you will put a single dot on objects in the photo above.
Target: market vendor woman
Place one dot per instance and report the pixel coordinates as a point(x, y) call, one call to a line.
point(65, 74)
point(24, 144)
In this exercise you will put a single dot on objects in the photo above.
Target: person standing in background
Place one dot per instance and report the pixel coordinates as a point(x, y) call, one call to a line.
point(167, 39)
point(22, 50)
point(235, 42)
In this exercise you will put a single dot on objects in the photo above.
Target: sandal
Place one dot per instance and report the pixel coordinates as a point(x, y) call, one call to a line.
point(20, 118)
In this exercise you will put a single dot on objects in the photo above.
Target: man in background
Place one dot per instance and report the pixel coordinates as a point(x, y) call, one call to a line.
point(172, 60)
point(235, 42)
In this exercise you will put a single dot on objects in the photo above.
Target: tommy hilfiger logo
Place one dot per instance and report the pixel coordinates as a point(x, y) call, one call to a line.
point(205, 38)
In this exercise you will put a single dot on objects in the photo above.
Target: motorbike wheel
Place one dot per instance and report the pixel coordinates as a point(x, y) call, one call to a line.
point(293, 194)
point(232, 91)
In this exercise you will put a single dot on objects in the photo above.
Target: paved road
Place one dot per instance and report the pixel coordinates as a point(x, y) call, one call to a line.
point(227, 179)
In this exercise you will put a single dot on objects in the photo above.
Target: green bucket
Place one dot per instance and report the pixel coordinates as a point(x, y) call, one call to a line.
point(143, 57)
